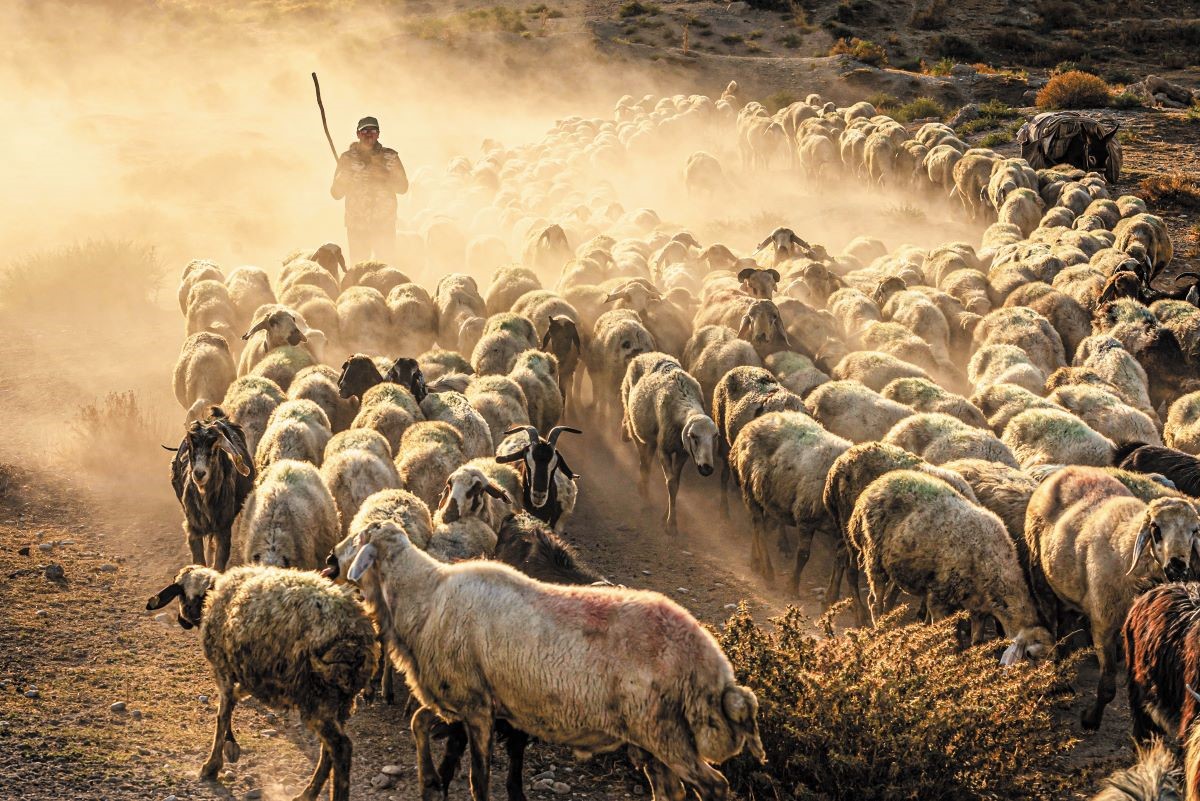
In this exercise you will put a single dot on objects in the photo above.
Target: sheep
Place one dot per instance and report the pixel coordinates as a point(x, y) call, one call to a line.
point(210, 309)
point(1105, 356)
point(1107, 414)
point(480, 488)
point(249, 288)
point(546, 250)
point(500, 401)
point(562, 341)
point(249, 402)
point(780, 461)
point(849, 475)
point(536, 372)
point(1145, 237)
point(1088, 539)
point(796, 372)
point(296, 429)
point(275, 329)
point(319, 385)
point(487, 602)
point(971, 175)
point(548, 490)
point(703, 175)
point(389, 409)
point(289, 520)
point(851, 410)
point(619, 337)
point(212, 472)
point(1068, 317)
point(663, 413)
point(1027, 330)
point(532, 547)
point(413, 318)
point(917, 533)
point(453, 408)
point(428, 453)
point(916, 312)
point(1155, 777)
point(923, 395)
point(1159, 638)
point(357, 464)
point(203, 372)
point(1054, 436)
point(508, 284)
point(465, 538)
point(711, 353)
point(970, 288)
point(1022, 208)
point(364, 319)
point(875, 369)
point(940, 438)
point(307, 272)
point(290, 639)
point(762, 326)
point(1004, 364)
point(194, 272)
point(1182, 429)
point(458, 305)
point(283, 364)
point(1181, 469)
point(399, 507)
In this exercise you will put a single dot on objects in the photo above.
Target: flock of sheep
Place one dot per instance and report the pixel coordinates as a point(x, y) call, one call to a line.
point(1002, 427)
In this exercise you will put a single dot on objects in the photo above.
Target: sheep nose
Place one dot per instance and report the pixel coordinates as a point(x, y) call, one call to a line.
point(1176, 569)
point(705, 469)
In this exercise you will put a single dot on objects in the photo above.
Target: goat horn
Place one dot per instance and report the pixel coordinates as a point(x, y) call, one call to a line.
point(1193, 693)
point(1181, 276)
point(169, 448)
point(534, 434)
point(552, 437)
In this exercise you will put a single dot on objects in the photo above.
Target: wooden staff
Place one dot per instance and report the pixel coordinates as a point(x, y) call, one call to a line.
point(321, 106)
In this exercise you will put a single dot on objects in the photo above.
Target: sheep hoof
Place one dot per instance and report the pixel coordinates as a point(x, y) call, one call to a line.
point(208, 773)
point(233, 751)
point(1090, 720)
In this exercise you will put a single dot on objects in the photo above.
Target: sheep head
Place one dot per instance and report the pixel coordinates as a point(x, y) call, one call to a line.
point(636, 294)
point(1170, 528)
point(700, 441)
point(281, 329)
point(562, 336)
point(759, 283)
point(191, 586)
point(407, 373)
point(351, 558)
point(762, 323)
point(464, 494)
point(1034, 643)
point(359, 374)
point(330, 257)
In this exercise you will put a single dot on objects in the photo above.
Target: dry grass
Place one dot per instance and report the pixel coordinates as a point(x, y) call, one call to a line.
point(896, 712)
point(1074, 89)
point(1173, 189)
point(863, 50)
point(116, 437)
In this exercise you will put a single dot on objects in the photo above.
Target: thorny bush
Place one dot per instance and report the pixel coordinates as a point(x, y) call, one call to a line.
point(1074, 89)
point(890, 713)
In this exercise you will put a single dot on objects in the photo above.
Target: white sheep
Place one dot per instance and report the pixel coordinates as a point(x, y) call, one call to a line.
point(357, 464)
point(525, 647)
point(249, 402)
point(289, 519)
point(453, 408)
point(938, 438)
point(318, 384)
point(500, 401)
point(1054, 436)
point(854, 411)
point(712, 352)
point(276, 328)
point(481, 488)
point(664, 415)
point(296, 429)
point(203, 373)
point(619, 337)
point(536, 372)
point(389, 409)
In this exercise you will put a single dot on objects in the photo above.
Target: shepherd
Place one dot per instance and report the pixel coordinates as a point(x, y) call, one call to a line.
point(369, 176)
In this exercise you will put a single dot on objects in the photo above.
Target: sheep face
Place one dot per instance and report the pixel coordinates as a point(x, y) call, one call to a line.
point(1170, 531)
point(281, 329)
point(407, 373)
point(700, 441)
point(464, 494)
point(204, 443)
point(761, 323)
point(635, 342)
point(191, 587)
point(636, 295)
point(759, 283)
point(330, 257)
point(359, 374)
point(351, 558)
point(1032, 643)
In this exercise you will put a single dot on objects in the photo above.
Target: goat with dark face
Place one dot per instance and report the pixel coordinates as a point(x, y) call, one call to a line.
point(330, 257)
point(562, 339)
point(407, 373)
point(359, 373)
point(212, 473)
point(539, 463)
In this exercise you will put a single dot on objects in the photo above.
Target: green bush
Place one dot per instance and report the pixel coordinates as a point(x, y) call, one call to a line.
point(781, 99)
point(996, 138)
point(862, 50)
point(636, 8)
point(893, 713)
point(1126, 100)
point(918, 109)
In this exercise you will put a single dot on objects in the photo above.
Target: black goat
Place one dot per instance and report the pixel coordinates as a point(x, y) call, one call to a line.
point(1181, 469)
point(532, 547)
point(540, 462)
point(212, 473)
point(1162, 651)
point(360, 373)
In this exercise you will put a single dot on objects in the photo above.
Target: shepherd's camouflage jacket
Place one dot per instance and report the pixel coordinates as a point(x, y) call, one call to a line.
point(369, 182)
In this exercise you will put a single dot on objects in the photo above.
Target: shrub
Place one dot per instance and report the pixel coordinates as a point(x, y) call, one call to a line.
point(1058, 14)
point(84, 282)
point(636, 8)
point(918, 109)
point(930, 16)
point(950, 45)
point(732, 39)
point(778, 100)
point(998, 109)
point(791, 40)
point(769, 5)
point(1126, 100)
point(895, 712)
point(1063, 67)
point(1175, 188)
point(883, 102)
point(941, 67)
point(837, 30)
point(996, 138)
point(116, 430)
point(862, 50)
point(1074, 89)
point(1011, 40)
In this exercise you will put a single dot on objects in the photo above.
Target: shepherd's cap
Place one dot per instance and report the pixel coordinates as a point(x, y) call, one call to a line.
point(367, 122)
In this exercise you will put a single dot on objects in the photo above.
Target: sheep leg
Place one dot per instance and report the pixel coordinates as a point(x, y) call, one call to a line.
point(196, 545)
point(210, 768)
point(479, 736)
point(427, 777)
point(978, 628)
point(645, 455)
point(456, 745)
point(335, 741)
point(1106, 689)
point(320, 774)
point(803, 549)
point(708, 782)
point(664, 784)
point(725, 487)
point(760, 559)
point(835, 576)
point(672, 468)
point(515, 744)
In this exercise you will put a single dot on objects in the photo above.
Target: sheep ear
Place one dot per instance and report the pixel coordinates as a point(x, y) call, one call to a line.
point(259, 326)
point(1013, 653)
point(1143, 537)
point(613, 296)
point(773, 273)
point(745, 274)
point(744, 328)
point(782, 333)
point(1193, 693)
point(341, 260)
point(566, 468)
point(165, 596)
point(496, 492)
point(362, 562)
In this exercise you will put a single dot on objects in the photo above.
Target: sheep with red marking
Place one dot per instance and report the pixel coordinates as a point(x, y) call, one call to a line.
point(597, 668)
